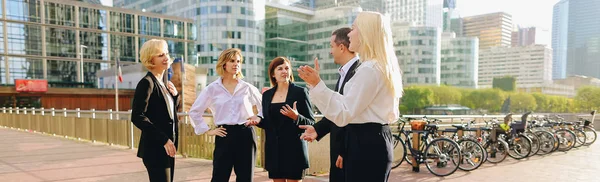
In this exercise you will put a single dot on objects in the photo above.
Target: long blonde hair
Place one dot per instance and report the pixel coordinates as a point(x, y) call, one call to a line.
point(377, 44)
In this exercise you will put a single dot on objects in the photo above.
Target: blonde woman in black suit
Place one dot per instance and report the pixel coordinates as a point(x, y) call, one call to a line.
point(154, 112)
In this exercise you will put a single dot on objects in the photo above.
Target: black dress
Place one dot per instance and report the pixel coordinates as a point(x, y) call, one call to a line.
point(284, 171)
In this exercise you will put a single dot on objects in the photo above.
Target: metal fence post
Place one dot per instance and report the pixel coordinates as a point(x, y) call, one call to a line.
point(17, 109)
point(63, 127)
point(53, 112)
point(131, 133)
point(110, 113)
point(92, 125)
point(65, 112)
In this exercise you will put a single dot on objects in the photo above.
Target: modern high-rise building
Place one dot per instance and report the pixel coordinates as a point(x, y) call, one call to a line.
point(420, 12)
point(530, 65)
point(418, 51)
point(286, 32)
point(450, 13)
point(321, 26)
point(459, 60)
point(221, 25)
point(366, 5)
point(560, 26)
point(530, 36)
point(492, 29)
point(583, 38)
point(47, 39)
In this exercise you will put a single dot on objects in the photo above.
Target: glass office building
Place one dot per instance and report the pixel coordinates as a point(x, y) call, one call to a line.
point(46, 39)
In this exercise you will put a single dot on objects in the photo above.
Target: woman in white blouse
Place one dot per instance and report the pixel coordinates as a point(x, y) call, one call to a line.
point(230, 100)
point(370, 101)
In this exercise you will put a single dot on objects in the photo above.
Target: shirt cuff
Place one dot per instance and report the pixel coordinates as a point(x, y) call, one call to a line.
point(318, 88)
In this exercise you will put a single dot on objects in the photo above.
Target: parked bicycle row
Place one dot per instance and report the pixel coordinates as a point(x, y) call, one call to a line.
point(467, 146)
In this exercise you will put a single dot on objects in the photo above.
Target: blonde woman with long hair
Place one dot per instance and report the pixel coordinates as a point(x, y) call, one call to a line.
point(370, 101)
point(231, 100)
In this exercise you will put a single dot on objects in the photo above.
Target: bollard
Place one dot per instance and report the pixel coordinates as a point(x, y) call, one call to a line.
point(43, 112)
point(52, 111)
point(33, 110)
point(65, 114)
point(110, 111)
point(93, 113)
point(110, 114)
point(17, 109)
point(3, 109)
point(91, 127)
point(78, 112)
point(24, 110)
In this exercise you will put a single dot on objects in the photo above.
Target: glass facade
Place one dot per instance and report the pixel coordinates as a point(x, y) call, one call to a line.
point(583, 38)
point(23, 10)
point(459, 61)
point(418, 52)
point(286, 34)
point(53, 51)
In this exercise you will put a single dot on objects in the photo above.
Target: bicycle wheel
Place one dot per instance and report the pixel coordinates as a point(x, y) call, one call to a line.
point(580, 138)
point(473, 155)
point(441, 156)
point(399, 151)
point(496, 151)
point(547, 142)
point(519, 147)
point(590, 135)
point(535, 143)
point(566, 140)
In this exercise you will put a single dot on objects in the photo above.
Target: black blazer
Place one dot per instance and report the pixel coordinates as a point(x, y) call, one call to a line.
point(151, 115)
point(283, 144)
point(326, 126)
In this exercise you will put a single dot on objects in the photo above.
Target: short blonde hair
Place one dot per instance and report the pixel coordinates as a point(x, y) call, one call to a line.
point(227, 55)
point(376, 44)
point(151, 49)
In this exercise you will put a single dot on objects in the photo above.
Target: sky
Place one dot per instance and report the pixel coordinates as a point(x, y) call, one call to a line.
point(526, 13)
point(107, 2)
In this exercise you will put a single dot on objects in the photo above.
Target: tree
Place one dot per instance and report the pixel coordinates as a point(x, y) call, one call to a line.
point(416, 98)
point(489, 99)
point(522, 102)
point(445, 95)
point(588, 98)
point(506, 83)
point(542, 101)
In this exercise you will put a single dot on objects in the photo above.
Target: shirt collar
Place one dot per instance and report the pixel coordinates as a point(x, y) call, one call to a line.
point(344, 69)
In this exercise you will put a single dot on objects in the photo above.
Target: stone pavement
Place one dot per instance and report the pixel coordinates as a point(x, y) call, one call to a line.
point(26, 156)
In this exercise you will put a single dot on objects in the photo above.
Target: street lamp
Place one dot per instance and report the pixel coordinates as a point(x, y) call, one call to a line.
point(81, 63)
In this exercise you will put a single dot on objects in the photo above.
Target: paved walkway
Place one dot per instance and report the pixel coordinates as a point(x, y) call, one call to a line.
point(26, 156)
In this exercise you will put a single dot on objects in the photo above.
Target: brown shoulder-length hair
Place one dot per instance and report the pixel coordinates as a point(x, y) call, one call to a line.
point(276, 62)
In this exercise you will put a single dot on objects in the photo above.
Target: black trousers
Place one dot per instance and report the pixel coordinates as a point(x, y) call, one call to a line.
point(237, 150)
point(161, 174)
point(369, 152)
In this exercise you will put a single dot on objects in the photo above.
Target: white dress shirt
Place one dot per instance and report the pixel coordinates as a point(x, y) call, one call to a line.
point(366, 99)
point(344, 71)
point(227, 108)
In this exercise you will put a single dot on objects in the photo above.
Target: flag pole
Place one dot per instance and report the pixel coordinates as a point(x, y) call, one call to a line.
point(117, 84)
point(182, 71)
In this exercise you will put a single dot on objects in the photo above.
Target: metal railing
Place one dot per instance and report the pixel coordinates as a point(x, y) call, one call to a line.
point(115, 128)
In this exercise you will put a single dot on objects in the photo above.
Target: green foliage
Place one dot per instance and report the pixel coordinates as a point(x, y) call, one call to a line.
point(506, 83)
point(417, 97)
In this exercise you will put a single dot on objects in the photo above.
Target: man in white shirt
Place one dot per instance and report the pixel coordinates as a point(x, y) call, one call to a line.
point(348, 61)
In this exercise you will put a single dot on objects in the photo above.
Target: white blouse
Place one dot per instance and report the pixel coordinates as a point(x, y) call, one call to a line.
point(227, 108)
point(366, 99)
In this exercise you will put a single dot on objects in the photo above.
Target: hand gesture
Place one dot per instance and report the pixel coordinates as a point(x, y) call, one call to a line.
point(217, 131)
point(339, 163)
point(310, 75)
point(310, 134)
point(170, 148)
point(172, 88)
point(252, 121)
point(290, 112)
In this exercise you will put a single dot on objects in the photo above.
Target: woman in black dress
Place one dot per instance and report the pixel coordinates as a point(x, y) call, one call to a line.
point(285, 106)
